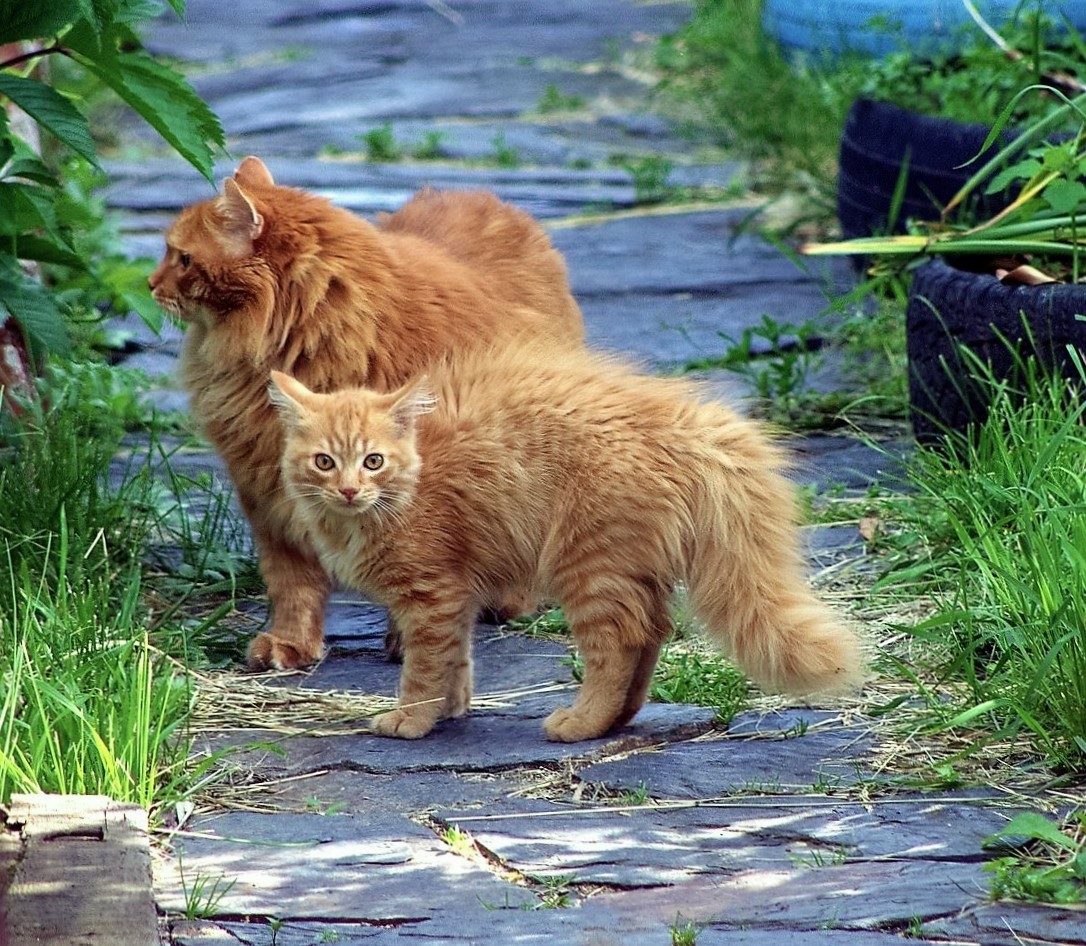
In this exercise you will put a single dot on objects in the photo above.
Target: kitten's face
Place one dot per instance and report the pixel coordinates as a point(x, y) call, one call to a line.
point(350, 453)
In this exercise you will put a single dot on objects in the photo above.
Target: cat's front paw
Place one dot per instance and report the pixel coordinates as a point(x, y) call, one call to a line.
point(566, 725)
point(268, 652)
point(400, 724)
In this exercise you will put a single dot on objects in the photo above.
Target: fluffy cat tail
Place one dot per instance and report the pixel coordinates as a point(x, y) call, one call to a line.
point(746, 575)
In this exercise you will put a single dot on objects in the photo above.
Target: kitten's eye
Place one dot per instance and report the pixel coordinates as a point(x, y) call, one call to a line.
point(373, 461)
point(323, 462)
point(186, 261)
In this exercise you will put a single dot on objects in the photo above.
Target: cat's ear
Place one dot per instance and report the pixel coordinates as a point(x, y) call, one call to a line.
point(289, 396)
point(243, 222)
point(252, 172)
point(410, 402)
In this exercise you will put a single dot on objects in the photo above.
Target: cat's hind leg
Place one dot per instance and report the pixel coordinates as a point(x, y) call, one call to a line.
point(436, 678)
point(298, 590)
point(616, 634)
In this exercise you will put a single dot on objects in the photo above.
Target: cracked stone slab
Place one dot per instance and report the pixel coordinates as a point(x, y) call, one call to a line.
point(631, 845)
point(818, 758)
point(871, 896)
point(347, 791)
point(538, 928)
point(373, 868)
point(1005, 923)
point(481, 741)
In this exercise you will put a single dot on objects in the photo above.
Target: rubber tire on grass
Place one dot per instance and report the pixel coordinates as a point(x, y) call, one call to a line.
point(877, 139)
point(827, 30)
point(950, 309)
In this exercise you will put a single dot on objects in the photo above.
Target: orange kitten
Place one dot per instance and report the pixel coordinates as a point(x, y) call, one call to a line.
point(272, 277)
point(568, 474)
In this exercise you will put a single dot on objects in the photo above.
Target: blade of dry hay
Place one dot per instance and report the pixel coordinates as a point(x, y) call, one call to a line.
point(240, 701)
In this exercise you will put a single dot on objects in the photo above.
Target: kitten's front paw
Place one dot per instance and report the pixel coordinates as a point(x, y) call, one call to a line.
point(565, 725)
point(267, 652)
point(400, 725)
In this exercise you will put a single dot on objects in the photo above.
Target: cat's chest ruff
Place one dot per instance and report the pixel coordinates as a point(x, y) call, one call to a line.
point(350, 550)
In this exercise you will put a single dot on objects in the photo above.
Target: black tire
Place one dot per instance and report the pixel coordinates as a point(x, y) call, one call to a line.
point(877, 138)
point(950, 309)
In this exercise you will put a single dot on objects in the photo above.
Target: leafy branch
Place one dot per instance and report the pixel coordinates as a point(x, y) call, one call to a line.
point(99, 37)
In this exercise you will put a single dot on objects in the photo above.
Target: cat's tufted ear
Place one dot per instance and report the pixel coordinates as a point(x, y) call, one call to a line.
point(252, 172)
point(410, 402)
point(243, 222)
point(289, 396)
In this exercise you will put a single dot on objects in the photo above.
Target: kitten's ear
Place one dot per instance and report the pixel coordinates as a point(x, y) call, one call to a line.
point(410, 402)
point(243, 222)
point(289, 396)
point(252, 172)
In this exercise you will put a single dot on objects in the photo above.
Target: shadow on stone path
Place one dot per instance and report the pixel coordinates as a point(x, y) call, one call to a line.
point(467, 836)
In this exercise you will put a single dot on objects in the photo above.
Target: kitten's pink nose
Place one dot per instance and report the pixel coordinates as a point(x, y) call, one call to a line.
point(349, 493)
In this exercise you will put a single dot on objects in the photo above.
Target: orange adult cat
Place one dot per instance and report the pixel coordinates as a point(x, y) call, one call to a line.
point(570, 475)
point(272, 277)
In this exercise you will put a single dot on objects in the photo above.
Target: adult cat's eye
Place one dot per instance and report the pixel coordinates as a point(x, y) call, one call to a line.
point(323, 462)
point(373, 461)
point(186, 260)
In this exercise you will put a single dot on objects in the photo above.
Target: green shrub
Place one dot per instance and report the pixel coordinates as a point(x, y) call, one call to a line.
point(36, 222)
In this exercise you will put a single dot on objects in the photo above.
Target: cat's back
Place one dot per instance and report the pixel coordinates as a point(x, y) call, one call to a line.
point(543, 399)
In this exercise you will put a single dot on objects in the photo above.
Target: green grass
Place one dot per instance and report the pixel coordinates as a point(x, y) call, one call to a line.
point(995, 531)
point(725, 75)
point(93, 652)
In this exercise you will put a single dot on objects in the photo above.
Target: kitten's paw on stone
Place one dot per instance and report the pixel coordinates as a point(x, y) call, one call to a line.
point(268, 652)
point(566, 725)
point(400, 725)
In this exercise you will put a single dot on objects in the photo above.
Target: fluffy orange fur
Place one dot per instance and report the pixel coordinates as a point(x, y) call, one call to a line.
point(269, 277)
point(571, 475)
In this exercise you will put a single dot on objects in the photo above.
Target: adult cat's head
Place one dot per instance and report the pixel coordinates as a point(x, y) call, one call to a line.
point(221, 253)
point(350, 451)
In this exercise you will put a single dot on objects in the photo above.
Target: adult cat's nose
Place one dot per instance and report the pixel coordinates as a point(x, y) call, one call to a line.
point(349, 493)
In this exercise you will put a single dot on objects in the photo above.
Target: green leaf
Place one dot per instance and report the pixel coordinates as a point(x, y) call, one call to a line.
point(25, 207)
point(166, 102)
point(1036, 827)
point(1023, 170)
point(30, 169)
point(36, 19)
point(52, 111)
point(1065, 196)
point(30, 247)
point(31, 305)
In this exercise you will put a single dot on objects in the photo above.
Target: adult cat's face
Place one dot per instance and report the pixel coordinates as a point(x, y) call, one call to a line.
point(212, 265)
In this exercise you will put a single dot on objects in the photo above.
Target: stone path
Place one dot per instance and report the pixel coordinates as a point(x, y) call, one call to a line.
point(485, 832)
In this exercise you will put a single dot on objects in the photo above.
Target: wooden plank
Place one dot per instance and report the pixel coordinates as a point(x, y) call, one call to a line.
point(84, 875)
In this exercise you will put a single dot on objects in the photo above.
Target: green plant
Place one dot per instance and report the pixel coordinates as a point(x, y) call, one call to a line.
point(650, 175)
point(204, 893)
point(381, 144)
point(1043, 219)
point(684, 934)
point(431, 147)
point(699, 678)
point(504, 155)
point(776, 374)
point(1052, 869)
point(100, 40)
point(554, 100)
point(724, 74)
point(998, 525)
point(555, 891)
